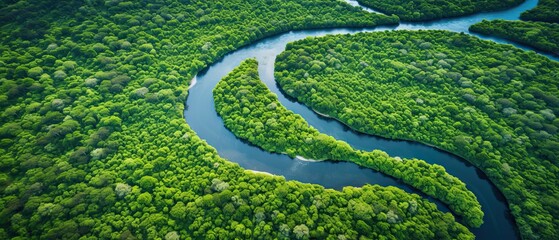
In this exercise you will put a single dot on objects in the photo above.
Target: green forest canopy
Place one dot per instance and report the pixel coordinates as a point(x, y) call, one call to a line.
point(94, 143)
point(252, 112)
point(540, 28)
point(420, 10)
point(493, 104)
point(545, 11)
point(540, 35)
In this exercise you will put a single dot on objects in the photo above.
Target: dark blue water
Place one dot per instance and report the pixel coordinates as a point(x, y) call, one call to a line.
point(203, 119)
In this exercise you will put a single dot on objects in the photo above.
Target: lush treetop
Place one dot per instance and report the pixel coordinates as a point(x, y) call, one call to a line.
point(545, 11)
point(493, 104)
point(539, 30)
point(420, 10)
point(540, 35)
point(254, 113)
point(93, 143)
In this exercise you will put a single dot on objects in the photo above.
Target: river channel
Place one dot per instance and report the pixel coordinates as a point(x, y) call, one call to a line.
point(200, 114)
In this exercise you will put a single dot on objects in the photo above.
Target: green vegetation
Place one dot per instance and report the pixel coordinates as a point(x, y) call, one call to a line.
point(493, 104)
point(419, 10)
point(93, 143)
point(545, 11)
point(540, 35)
point(254, 113)
point(543, 34)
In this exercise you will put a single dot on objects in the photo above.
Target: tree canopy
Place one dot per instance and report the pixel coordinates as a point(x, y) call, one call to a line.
point(540, 28)
point(93, 143)
point(420, 10)
point(545, 11)
point(494, 105)
point(254, 113)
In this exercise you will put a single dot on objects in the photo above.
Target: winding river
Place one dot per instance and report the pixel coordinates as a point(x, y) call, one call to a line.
point(203, 119)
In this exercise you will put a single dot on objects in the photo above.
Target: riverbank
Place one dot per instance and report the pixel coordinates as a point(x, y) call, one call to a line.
point(201, 115)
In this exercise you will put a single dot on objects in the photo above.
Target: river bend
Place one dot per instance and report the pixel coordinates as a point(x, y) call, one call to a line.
point(200, 114)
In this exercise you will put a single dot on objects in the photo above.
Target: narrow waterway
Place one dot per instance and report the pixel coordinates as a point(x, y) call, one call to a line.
point(203, 119)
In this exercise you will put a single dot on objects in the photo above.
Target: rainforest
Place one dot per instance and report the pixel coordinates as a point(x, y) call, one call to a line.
point(279, 119)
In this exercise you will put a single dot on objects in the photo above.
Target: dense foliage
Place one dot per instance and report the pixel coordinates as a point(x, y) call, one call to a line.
point(93, 143)
point(419, 10)
point(540, 35)
point(541, 31)
point(254, 113)
point(545, 11)
point(493, 104)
